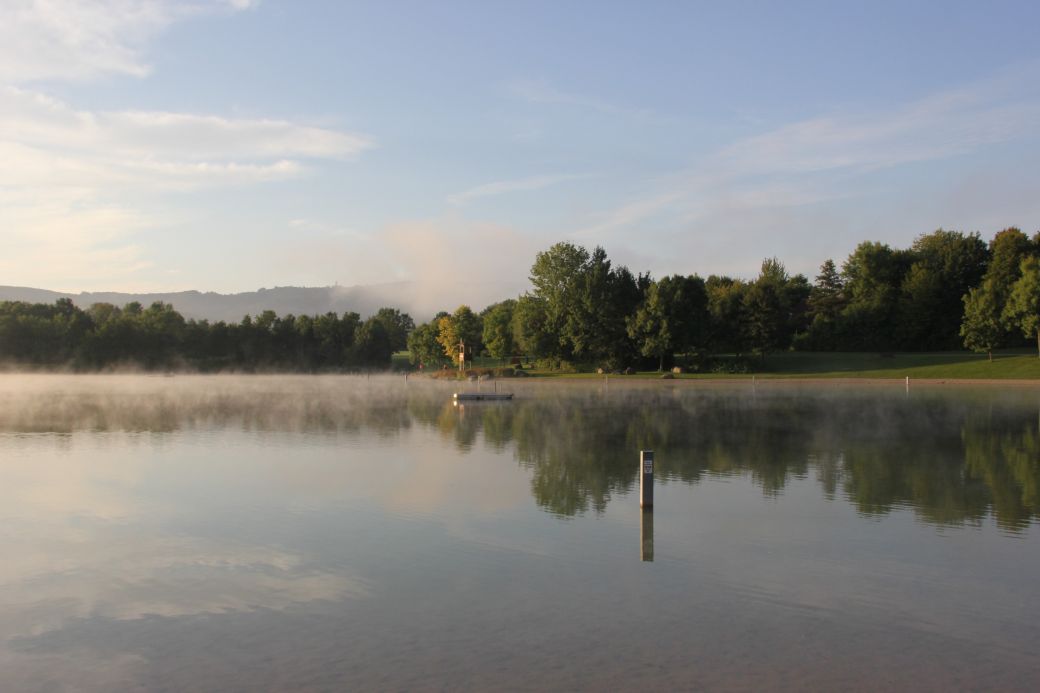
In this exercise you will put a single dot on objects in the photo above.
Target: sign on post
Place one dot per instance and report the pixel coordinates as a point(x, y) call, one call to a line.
point(646, 478)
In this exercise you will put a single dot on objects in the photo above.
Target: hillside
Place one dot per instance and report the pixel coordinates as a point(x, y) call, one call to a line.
point(419, 300)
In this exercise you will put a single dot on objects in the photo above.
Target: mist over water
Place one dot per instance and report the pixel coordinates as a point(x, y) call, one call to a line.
point(281, 532)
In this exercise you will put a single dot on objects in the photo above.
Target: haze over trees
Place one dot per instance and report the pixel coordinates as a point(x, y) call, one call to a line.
point(948, 290)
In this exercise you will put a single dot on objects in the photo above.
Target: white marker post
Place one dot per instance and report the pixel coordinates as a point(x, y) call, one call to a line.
point(646, 478)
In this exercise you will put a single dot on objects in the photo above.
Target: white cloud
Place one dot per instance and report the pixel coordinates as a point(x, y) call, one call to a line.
point(824, 157)
point(152, 140)
point(73, 180)
point(83, 39)
point(508, 186)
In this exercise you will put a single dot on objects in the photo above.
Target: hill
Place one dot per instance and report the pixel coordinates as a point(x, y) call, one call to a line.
point(420, 300)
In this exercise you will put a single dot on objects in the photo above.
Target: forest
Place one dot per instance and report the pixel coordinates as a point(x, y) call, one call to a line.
point(949, 290)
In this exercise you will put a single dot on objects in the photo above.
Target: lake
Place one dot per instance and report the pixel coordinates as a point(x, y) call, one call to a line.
point(348, 533)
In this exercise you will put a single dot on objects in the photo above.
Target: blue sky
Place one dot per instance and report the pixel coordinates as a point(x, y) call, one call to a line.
point(232, 144)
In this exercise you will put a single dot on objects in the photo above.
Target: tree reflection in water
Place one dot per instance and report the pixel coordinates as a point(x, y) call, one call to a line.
point(954, 456)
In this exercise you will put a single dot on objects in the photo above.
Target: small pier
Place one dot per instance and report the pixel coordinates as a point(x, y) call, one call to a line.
point(476, 396)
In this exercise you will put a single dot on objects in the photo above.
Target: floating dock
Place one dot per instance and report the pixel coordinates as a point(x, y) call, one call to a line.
point(473, 396)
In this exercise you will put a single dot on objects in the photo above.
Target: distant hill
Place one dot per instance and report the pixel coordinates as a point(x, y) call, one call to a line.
point(419, 300)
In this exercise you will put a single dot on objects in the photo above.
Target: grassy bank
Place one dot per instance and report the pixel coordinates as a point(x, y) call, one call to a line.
point(936, 365)
point(943, 365)
point(947, 365)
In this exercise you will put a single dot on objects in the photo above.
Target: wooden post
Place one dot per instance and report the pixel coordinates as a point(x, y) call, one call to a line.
point(646, 478)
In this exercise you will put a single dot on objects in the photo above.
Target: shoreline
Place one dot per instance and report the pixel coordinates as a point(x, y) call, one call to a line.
point(766, 379)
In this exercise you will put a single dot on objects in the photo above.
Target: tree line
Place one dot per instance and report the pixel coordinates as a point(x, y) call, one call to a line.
point(158, 337)
point(949, 290)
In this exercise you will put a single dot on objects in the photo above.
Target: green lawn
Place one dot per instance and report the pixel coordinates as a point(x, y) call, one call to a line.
point(952, 365)
point(944, 364)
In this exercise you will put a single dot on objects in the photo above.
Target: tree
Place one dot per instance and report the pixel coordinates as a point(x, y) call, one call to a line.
point(372, 345)
point(986, 311)
point(983, 327)
point(397, 325)
point(1023, 307)
point(671, 319)
point(827, 297)
point(462, 325)
point(556, 276)
point(531, 334)
point(607, 297)
point(726, 331)
point(584, 303)
point(498, 329)
point(873, 274)
point(774, 306)
point(423, 347)
point(931, 307)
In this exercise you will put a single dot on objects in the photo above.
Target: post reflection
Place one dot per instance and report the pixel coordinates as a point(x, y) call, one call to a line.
point(646, 535)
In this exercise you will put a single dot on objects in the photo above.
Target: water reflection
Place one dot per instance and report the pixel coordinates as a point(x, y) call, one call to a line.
point(646, 535)
point(955, 456)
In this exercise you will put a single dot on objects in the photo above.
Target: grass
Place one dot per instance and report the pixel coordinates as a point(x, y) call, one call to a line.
point(952, 365)
point(942, 365)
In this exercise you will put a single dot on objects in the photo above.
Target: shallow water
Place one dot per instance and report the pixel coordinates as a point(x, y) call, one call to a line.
point(344, 533)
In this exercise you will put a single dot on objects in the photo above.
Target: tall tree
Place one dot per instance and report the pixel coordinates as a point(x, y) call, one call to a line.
point(498, 329)
point(827, 297)
point(556, 276)
point(531, 333)
point(774, 306)
point(372, 346)
point(397, 325)
point(984, 321)
point(423, 347)
point(983, 326)
point(462, 325)
point(873, 275)
point(726, 324)
point(946, 265)
point(1023, 307)
point(671, 319)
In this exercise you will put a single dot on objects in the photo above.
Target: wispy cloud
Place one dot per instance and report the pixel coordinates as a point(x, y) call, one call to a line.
point(77, 39)
point(819, 158)
point(73, 181)
point(508, 186)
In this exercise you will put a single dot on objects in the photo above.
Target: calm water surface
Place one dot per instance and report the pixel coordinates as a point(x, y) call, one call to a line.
point(337, 533)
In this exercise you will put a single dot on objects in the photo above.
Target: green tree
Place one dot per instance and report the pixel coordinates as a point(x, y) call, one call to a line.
point(726, 325)
point(556, 277)
point(423, 347)
point(462, 325)
point(983, 326)
point(873, 275)
point(984, 321)
point(498, 329)
point(671, 319)
point(372, 345)
point(1023, 307)
point(397, 325)
point(774, 306)
point(531, 333)
point(931, 307)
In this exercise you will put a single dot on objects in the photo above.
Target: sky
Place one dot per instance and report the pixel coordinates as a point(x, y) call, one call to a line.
point(229, 145)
